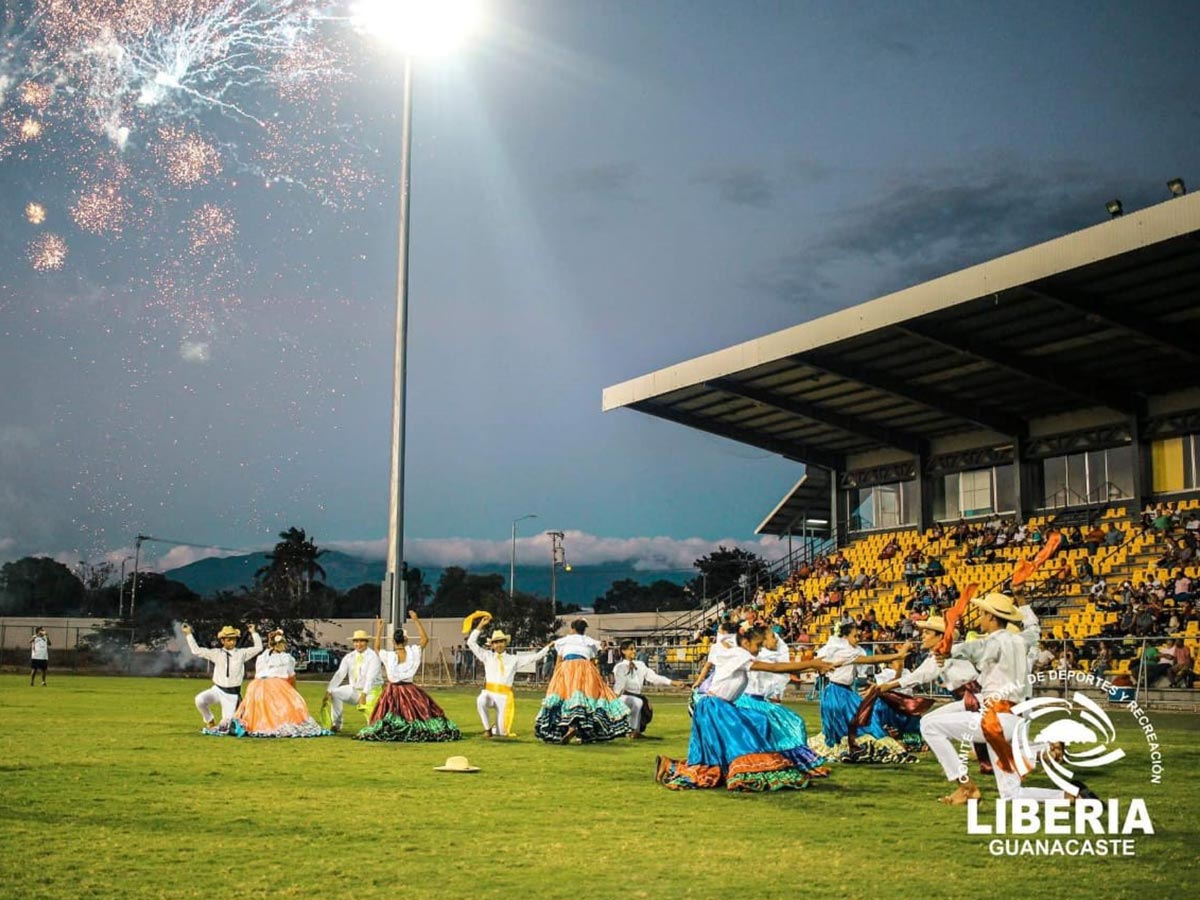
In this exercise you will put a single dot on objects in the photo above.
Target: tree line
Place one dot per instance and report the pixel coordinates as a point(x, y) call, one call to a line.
point(290, 591)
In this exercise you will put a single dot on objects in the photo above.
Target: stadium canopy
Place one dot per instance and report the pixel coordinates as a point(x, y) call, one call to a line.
point(1105, 320)
point(804, 511)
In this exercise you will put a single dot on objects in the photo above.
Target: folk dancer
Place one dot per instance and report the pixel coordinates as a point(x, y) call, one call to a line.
point(579, 707)
point(630, 676)
point(1001, 657)
point(229, 670)
point(362, 673)
point(404, 711)
point(732, 745)
point(500, 671)
point(272, 707)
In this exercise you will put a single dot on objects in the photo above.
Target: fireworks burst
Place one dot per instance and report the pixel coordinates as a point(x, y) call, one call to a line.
point(187, 158)
point(31, 129)
point(35, 213)
point(36, 95)
point(101, 209)
point(210, 226)
point(47, 253)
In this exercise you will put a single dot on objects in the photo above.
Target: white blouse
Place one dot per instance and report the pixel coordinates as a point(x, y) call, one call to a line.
point(401, 672)
point(274, 665)
point(771, 684)
point(841, 653)
point(731, 674)
point(577, 645)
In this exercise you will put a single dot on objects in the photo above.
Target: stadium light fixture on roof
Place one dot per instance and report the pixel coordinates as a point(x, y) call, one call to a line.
point(1114, 208)
point(418, 27)
point(1176, 187)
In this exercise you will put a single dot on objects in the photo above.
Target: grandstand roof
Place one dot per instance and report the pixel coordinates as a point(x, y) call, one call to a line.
point(805, 508)
point(1103, 317)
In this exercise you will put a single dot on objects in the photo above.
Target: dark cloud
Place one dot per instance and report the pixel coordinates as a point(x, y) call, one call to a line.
point(605, 178)
point(921, 226)
point(740, 186)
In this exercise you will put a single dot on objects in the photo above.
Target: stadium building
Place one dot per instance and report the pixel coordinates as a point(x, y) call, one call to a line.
point(1062, 376)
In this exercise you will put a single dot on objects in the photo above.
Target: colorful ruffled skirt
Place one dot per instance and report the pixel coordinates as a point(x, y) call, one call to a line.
point(272, 708)
point(839, 706)
point(732, 745)
point(898, 724)
point(787, 733)
point(578, 704)
point(406, 713)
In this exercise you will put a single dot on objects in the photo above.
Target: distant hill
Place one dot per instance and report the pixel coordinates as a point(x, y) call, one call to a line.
point(582, 585)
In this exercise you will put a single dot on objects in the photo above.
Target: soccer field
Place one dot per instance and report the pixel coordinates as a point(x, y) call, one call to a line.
point(109, 789)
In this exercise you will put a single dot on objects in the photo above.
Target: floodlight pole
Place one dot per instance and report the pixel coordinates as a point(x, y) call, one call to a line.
point(395, 588)
point(121, 590)
point(512, 559)
point(137, 558)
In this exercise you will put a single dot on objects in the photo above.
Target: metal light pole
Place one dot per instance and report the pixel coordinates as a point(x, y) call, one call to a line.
point(512, 559)
point(121, 590)
point(557, 558)
point(395, 590)
point(137, 558)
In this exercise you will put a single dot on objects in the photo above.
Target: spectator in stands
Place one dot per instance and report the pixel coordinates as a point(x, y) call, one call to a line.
point(1084, 570)
point(1143, 621)
point(1183, 587)
point(1093, 539)
point(1181, 672)
point(1114, 537)
point(1044, 659)
point(934, 568)
point(1074, 537)
point(1099, 591)
point(1102, 660)
point(890, 549)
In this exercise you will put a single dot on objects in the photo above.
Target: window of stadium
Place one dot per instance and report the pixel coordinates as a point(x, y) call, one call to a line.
point(1093, 477)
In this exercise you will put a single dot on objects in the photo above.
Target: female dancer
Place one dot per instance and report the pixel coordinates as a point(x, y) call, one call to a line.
point(404, 711)
point(840, 704)
point(788, 733)
point(731, 745)
point(272, 706)
point(579, 707)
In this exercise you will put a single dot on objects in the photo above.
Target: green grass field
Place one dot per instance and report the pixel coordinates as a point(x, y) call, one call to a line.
point(108, 789)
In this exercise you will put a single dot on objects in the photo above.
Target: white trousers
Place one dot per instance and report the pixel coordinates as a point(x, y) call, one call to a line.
point(339, 696)
point(215, 696)
point(636, 705)
point(951, 729)
point(485, 703)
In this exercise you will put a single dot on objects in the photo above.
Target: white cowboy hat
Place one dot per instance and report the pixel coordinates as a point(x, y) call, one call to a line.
point(499, 635)
point(360, 635)
point(933, 623)
point(456, 764)
point(229, 632)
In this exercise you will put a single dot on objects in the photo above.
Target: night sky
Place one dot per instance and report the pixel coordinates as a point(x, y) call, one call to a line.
point(197, 288)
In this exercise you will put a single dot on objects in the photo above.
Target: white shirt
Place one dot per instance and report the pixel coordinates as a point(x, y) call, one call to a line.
point(501, 668)
point(363, 671)
point(841, 653)
point(401, 671)
point(770, 684)
point(577, 645)
point(630, 677)
point(274, 665)
point(731, 674)
point(953, 673)
point(229, 666)
point(40, 648)
point(1002, 662)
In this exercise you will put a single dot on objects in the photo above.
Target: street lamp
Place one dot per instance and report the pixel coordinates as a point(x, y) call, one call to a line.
point(417, 28)
point(512, 559)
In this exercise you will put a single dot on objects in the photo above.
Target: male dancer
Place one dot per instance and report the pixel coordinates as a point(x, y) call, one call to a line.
point(362, 671)
point(229, 669)
point(500, 670)
point(629, 676)
point(1001, 658)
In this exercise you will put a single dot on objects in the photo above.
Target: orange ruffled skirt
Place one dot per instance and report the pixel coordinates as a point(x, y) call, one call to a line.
point(273, 708)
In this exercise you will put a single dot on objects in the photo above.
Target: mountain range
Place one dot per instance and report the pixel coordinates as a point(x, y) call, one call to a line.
point(581, 586)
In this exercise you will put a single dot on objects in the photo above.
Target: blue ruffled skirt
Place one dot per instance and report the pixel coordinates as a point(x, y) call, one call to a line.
point(786, 732)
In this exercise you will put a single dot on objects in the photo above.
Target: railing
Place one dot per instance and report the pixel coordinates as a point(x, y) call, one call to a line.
point(766, 577)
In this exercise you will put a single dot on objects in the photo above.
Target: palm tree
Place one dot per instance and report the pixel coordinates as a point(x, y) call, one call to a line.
point(293, 565)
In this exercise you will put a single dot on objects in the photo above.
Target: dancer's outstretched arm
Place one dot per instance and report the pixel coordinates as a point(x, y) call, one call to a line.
point(424, 641)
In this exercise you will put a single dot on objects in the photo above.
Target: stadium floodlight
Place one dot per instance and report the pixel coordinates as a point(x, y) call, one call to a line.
point(1114, 208)
point(418, 27)
point(1176, 187)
